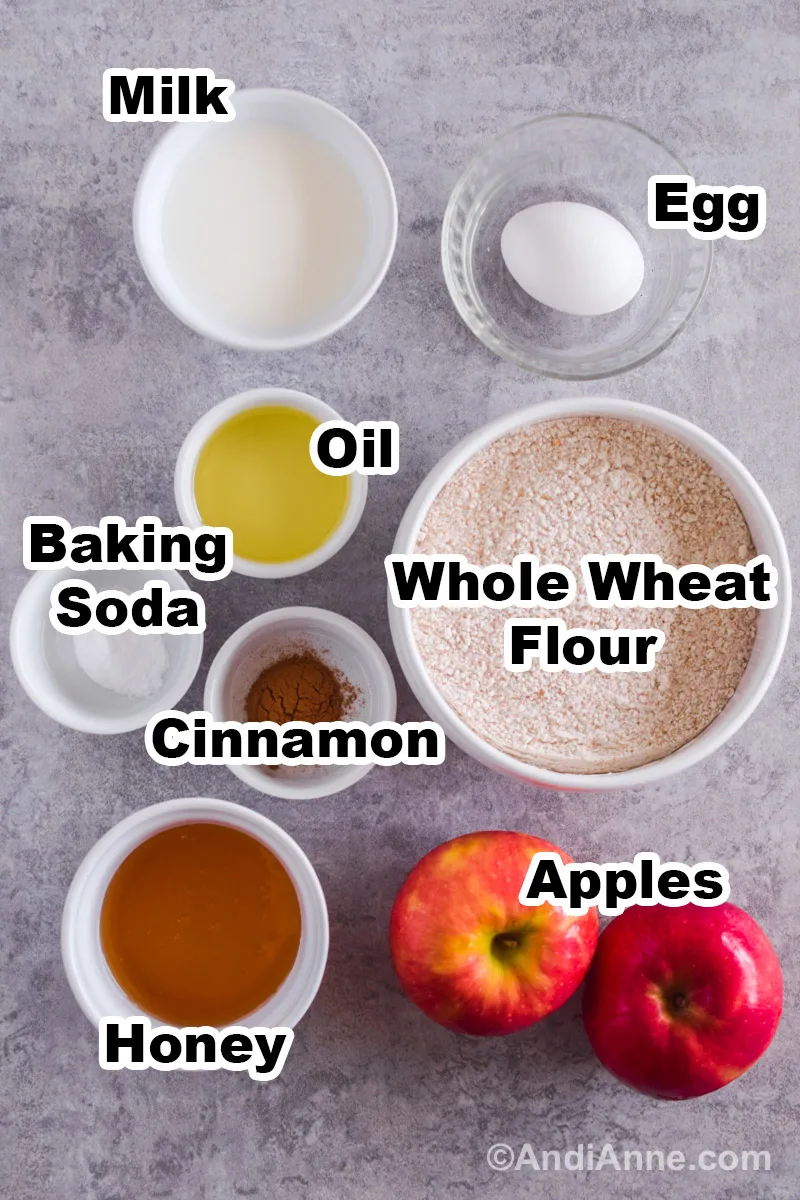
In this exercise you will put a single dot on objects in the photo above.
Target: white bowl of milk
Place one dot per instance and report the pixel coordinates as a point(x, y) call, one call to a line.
point(269, 231)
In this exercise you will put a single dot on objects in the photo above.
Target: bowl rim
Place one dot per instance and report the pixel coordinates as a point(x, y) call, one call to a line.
point(709, 739)
point(92, 876)
point(155, 269)
point(344, 775)
point(493, 343)
point(36, 592)
point(216, 416)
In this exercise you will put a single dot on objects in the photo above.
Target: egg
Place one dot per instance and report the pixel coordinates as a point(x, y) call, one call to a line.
point(573, 257)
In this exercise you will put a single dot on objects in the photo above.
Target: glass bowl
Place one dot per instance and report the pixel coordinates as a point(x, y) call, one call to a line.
point(592, 160)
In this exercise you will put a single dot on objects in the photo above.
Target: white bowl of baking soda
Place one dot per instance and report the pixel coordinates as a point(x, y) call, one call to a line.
point(600, 477)
point(100, 682)
point(270, 231)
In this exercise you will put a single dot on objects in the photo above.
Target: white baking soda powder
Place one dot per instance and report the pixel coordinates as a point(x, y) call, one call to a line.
point(127, 663)
point(264, 227)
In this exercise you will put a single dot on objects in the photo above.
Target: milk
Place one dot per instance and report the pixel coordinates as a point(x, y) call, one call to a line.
point(264, 227)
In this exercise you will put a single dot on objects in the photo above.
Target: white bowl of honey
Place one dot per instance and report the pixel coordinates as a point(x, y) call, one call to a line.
point(196, 912)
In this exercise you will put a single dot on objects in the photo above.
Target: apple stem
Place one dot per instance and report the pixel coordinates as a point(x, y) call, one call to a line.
point(505, 944)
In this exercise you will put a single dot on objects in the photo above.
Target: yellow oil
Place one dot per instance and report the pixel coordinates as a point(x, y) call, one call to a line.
point(255, 475)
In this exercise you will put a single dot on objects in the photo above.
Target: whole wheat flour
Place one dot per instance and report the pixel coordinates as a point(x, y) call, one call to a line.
point(559, 490)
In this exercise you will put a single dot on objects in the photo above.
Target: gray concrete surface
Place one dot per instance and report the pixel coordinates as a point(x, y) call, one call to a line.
point(98, 384)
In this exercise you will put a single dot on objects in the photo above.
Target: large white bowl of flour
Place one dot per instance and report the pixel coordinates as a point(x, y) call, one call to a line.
point(573, 477)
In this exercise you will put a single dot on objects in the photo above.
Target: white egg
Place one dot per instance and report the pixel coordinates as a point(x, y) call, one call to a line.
point(573, 257)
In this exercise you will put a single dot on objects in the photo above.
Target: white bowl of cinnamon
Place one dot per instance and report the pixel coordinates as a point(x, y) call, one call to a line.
point(300, 664)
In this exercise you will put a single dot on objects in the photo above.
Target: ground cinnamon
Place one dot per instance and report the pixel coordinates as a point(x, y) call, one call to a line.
point(298, 688)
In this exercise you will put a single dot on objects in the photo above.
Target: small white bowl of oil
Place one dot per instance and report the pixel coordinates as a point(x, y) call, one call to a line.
point(344, 647)
point(246, 465)
point(271, 231)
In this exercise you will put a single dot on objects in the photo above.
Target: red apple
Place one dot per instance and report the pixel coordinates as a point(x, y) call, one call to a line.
point(469, 954)
point(681, 1001)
